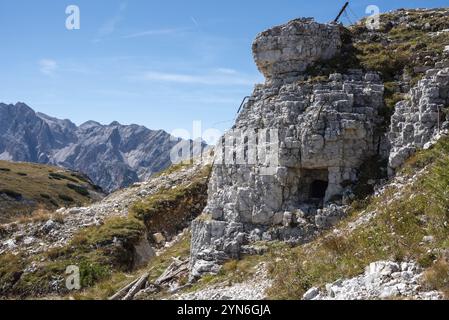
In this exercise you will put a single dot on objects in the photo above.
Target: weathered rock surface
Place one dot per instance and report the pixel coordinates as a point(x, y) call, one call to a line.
point(381, 280)
point(288, 50)
point(143, 252)
point(310, 140)
point(418, 119)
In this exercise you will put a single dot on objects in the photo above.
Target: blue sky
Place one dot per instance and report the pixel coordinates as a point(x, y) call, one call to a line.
point(162, 64)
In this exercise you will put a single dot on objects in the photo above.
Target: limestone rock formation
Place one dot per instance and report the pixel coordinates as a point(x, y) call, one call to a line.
point(289, 49)
point(420, 117)
point(293, 151)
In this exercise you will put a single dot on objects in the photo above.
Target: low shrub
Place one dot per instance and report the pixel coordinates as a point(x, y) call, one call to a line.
point(65, 198)
point(12, 194)
point(79, 189)
point(60, 176)
point(10, 271)
point(91, 273)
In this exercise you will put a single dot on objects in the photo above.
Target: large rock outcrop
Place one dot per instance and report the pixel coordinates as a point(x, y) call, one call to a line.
point(288, 50)
point(421, 116)
point(294, 149)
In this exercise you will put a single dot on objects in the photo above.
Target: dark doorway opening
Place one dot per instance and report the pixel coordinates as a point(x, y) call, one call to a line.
point(318, 189)
point(312, 187)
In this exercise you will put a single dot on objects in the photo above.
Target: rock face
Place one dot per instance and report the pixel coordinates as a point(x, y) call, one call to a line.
point(113, 156)
point(289, 49)
point(294, 149)
point(422, 116)
point(143, 253)
point(381, 280)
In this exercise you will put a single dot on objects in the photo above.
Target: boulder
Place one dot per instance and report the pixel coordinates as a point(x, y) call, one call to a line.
point(159, 238)
point(143, 253)
point(291, 48)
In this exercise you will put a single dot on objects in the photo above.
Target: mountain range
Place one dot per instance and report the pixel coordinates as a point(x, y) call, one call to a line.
point(113, 156)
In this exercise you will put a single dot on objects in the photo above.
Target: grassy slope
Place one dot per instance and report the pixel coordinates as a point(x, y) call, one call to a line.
point(401, 49)
point(181, 202)
point(117, 280)
point(92, 249)
point(104, 266)
point(33, 186)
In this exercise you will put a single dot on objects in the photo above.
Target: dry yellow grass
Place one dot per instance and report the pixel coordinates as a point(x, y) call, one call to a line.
point(40, 215)
point(27, 187)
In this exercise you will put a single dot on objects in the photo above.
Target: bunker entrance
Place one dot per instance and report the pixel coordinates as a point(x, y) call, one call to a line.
point(318, 189)
point(313, 185)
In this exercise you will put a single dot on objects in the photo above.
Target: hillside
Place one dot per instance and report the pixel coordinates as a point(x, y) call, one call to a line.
point(106, 240)
point(27, 187)
point(391, 245)
point(402, 225)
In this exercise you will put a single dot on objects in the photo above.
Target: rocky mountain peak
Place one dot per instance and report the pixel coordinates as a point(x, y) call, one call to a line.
point(113, 156)
point(114, 124)
point(89, 124)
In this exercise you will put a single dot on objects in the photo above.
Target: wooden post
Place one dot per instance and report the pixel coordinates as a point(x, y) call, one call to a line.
point(341, 12)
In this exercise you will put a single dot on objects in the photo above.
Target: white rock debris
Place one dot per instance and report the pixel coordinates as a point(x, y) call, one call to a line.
point(252, 289)
point(381, 280)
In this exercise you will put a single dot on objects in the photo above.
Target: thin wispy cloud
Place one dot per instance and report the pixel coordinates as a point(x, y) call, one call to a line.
point(195, 22)
point(156, 32)
point(116, 93)
point(48, 66)
point(225, 77)
point(78, 69)
point(110, 25)
point(226, 71)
